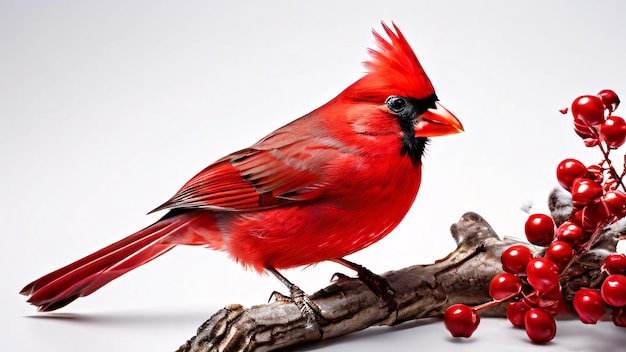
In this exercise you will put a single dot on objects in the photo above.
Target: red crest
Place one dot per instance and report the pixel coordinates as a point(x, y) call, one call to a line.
point(392, 69)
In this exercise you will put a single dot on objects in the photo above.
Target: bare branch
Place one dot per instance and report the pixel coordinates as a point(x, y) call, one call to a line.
point(420, 291)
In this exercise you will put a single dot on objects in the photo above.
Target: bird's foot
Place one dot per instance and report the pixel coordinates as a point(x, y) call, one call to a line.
point(308, 308)
point(376, 283)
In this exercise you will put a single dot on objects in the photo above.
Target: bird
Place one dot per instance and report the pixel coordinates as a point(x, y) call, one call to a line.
point(320, 188)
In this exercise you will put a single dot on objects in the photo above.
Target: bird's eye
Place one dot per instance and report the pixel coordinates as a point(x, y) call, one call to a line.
point(395, 103)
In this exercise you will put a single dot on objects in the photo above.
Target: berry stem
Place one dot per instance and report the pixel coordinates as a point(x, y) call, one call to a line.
point(582, 250)
point(495, 302)
point(489, 304)
point(612, 171)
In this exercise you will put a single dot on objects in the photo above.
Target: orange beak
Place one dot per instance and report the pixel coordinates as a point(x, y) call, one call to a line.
point(437, 122)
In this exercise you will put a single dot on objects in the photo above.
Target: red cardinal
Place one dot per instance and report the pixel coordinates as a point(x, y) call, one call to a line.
point(322, 187)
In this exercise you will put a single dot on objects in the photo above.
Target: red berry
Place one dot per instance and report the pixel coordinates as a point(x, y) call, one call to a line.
point(614, 290)
point(461, 320)
point(515, 312)
point(614, 263)
point(543, 275)
point(609, 98)
point(588, 134)
point(584, 191)
point(610, 184)
point(551, 301)
point(576, 218)
point(595, 173)
point(559, 252)
point(588, 110)
point(591, 142)
point(613, 131)
point(504, 286)
point(540, 325)
point(568, 171)
point(619, 317)
point(571, 233)
point(539, 229)
point(594, 215)
point(515, 258)
point(589, 305)
point(615, 202)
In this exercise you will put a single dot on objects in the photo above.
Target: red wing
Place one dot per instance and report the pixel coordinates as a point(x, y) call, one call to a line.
point(276, 171)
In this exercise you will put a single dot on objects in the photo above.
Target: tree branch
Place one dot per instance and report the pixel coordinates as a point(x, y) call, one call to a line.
point(421, 291)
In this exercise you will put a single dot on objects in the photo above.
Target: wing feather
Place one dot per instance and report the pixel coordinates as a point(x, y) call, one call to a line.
point(280, 169)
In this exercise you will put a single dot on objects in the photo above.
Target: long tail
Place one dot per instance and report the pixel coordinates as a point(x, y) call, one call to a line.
point(86, 275)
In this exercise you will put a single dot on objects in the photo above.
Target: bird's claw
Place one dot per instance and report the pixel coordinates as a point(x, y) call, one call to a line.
point(308, 308)
point(279, 297)
point(380, 286)
point(376, 283)
point(339, 277)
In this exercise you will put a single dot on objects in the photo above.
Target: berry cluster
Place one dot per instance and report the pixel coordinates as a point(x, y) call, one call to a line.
point(531, 285)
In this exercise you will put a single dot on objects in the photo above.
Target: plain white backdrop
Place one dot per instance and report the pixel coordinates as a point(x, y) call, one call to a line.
point(107, 108)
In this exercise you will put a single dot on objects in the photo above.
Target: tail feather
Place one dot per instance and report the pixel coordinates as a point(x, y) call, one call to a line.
point(86, 275)
point(105, 257)
point(47, 299)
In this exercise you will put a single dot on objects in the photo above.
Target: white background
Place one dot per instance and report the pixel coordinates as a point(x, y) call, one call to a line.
point(107, 109)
